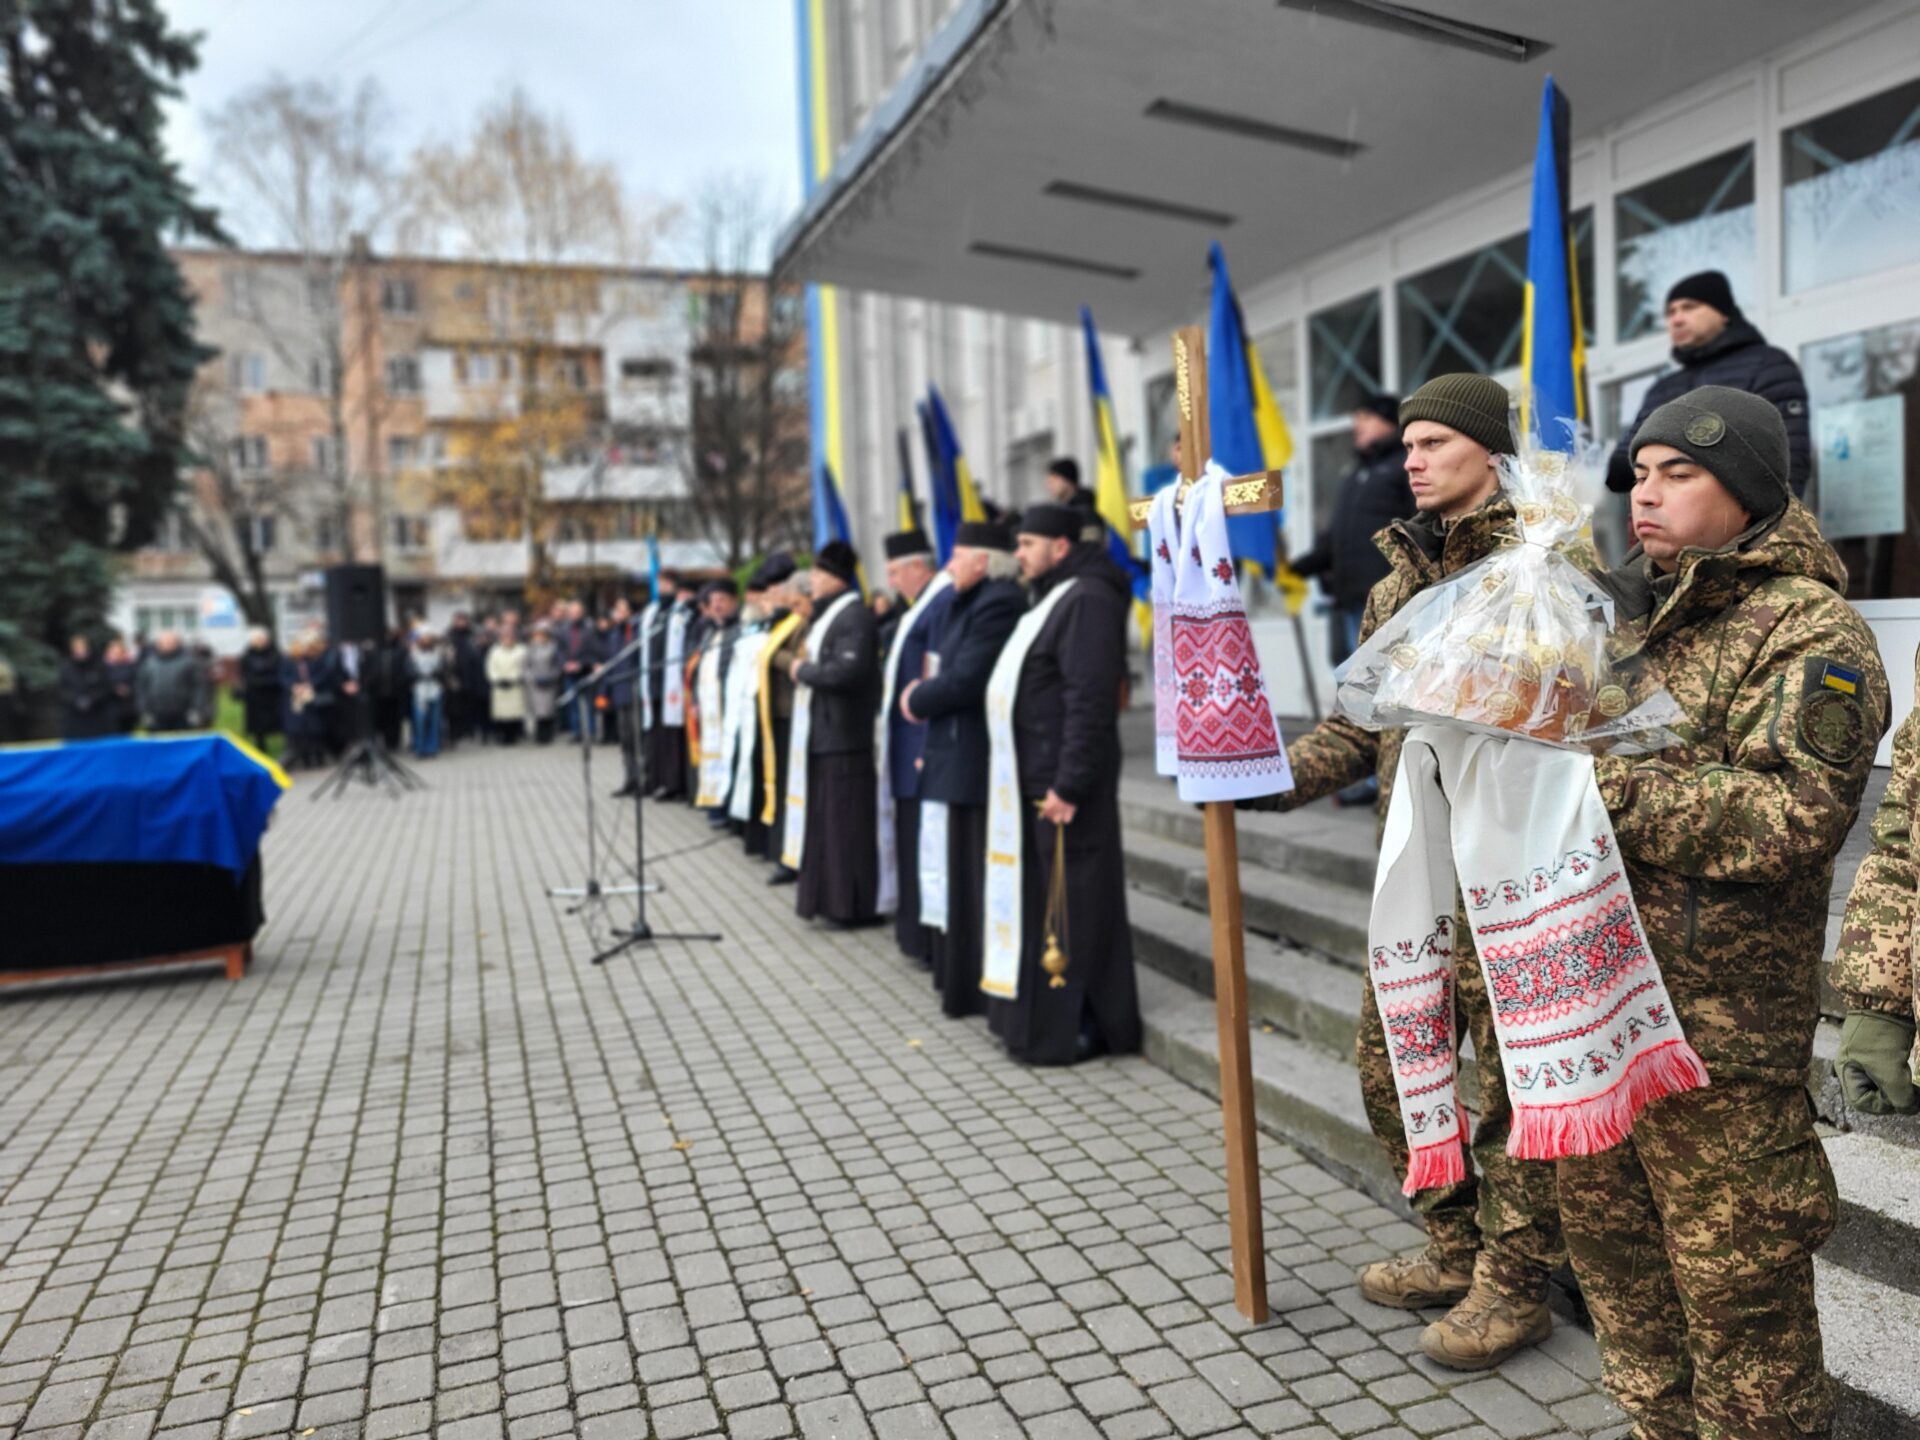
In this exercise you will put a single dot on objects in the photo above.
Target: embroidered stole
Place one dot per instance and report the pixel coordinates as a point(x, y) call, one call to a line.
point(882, 736)
point(673, 699)
point(1006, 814)
point(1587, 1034)
point(794, 844)
point(769, 757)
point(932, 863)
point(643, 662)
point(713, 753)
point(742, 717)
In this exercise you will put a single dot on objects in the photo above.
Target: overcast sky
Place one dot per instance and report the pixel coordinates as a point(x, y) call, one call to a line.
point(672, 91)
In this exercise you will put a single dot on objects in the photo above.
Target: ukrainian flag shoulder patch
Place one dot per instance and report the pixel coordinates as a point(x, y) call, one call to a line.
point(1839, 677)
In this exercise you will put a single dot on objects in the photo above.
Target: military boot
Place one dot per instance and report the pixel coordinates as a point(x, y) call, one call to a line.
point(1414, 1282)
point(1486, 1327)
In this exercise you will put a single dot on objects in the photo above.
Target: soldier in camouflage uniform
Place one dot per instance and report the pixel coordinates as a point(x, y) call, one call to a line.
point(1873, 969)
point(1492, 1244)
point(1694, 1237)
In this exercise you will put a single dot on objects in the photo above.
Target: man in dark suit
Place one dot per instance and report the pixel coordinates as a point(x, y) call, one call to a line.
point(925, 596)
point(950, 706)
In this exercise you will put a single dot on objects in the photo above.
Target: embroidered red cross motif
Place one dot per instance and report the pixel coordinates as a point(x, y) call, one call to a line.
point(1195, 552)
point(1166, 555)
point(1222, 571)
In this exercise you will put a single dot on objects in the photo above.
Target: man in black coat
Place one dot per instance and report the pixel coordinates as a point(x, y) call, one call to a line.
point(950, 708)
point(1066, 735)
point(1714, 344)
point(86, 693)
point(904, 645)
point(1373, 495)
point(840, 850)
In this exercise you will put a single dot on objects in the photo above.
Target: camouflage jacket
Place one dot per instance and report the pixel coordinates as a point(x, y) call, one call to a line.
point(1730, 836)
point(1874, 966)
point(1337, 752)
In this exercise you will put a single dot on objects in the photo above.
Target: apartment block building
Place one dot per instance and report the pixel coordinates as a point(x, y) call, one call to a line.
point(490, 433)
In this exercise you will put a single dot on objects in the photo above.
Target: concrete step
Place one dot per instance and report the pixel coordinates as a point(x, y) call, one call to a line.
point(1312, 913)
point(1309, 1100)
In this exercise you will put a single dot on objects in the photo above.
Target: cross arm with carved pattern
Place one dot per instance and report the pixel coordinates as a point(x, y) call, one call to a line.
point(1244, 494)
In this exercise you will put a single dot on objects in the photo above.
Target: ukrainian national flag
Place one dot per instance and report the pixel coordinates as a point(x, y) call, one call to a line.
point(1110, 482)
point(954, 497)
point(1248, 431)
point(909, 516)
point(1553, 352)
point(653, 557)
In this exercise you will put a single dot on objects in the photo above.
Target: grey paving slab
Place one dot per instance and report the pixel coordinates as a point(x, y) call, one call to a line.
point(427, 1170)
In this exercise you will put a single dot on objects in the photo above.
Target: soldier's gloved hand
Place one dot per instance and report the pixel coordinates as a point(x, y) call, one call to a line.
point(1872, 1063)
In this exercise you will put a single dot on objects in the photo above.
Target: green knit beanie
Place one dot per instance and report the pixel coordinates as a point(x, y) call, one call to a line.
point(1738, 438)
point(1475, 405)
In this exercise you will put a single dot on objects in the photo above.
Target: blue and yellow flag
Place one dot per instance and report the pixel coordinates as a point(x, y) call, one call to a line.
point(653, 557)
point(909, 514)
point(1553, 350)
point(1248, 431)
point(954, 497)
point(1110, 482)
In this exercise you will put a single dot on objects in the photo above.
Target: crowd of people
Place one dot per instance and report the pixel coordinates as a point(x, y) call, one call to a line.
point(949, 757)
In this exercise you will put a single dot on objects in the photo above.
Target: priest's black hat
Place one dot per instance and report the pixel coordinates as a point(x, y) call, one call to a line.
point(983, 535)
point(837, 558)
point(1056, 522)
point(774, 570)
point(718, 587)
point(903, 543)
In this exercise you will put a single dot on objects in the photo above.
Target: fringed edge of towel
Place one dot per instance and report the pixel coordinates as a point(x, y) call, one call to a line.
point(1432, 1166)
point(1600, 1122)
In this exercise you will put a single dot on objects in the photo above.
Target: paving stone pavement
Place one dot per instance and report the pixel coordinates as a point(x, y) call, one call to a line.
point(427, 1171)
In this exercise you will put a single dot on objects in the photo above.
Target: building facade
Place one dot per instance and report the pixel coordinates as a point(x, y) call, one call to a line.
point(997, 163)
point(489, 433)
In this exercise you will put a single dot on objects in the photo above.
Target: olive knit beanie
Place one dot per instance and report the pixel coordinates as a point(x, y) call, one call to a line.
point(1475, 405)
point(1739, 438)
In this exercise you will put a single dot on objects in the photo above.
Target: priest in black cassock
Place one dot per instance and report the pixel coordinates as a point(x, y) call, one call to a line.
point(667, 651)
point(1066, 737)
point(951, 706)
point(914, 575)
point(840, 670)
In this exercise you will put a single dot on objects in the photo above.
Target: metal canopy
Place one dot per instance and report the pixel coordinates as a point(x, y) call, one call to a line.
point(1045, 153)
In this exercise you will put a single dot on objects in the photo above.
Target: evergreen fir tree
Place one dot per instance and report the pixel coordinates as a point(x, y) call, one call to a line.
point(97, 348)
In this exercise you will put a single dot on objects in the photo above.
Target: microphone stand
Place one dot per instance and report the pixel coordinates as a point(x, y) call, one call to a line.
point(641, 933)
point(578, 694)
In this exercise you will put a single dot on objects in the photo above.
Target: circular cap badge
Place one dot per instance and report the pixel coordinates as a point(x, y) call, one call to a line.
point(1707, 429)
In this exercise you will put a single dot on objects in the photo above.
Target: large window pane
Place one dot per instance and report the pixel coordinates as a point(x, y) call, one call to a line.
point(1865, 390)
point(1699, 218)
point(1851, 203)
point(1332, 459)
point(1343, 345)
point(1464, 315)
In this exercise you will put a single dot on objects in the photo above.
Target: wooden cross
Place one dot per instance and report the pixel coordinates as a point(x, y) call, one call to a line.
point(1245, 495)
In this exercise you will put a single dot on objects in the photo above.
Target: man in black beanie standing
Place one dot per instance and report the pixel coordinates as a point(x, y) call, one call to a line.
point(1373, 495)
point(1714, 344)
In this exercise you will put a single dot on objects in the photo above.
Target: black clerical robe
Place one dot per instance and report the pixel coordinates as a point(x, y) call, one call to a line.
point(840, 859)
point(1066, 733)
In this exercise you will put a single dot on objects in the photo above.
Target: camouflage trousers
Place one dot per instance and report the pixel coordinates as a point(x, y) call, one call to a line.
point(1510, 1211)
point(1693, 1240)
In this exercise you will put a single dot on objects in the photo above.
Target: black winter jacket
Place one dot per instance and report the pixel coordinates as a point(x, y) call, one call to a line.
point(1374, 494)
point(1066, 720)
point(846, 683)
point(86, 699)
point(1739, 358)
point(954, 702)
